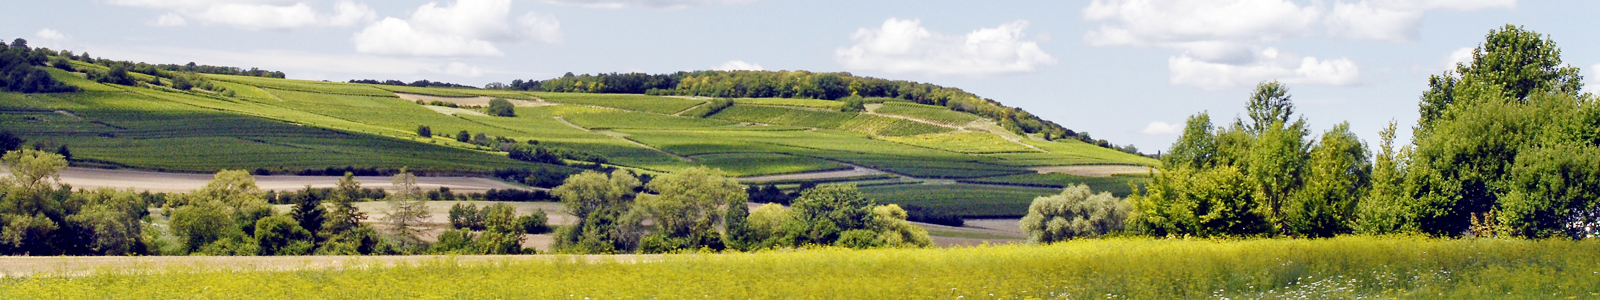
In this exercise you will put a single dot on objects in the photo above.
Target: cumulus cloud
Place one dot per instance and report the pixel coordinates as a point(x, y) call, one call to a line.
point(1161, 128)
point(52, 35)
point(904, 46)
point(1394, 20)
point(738, 65)
point(462, 28)
point(1269, 65)
point(254, 14)
point(662, 4)
point(1209, 26)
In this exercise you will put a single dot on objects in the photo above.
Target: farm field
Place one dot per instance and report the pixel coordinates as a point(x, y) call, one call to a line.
point(1353, 267)
point(311, 125)
point(1117, 185)
point(969, 200)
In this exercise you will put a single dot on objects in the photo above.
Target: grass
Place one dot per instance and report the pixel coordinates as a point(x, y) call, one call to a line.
point(644, 103)
point(636, 120)
point(967, 200)
point(964, 142)
point(784, 116)
point(309, 86)
point(751, 164)
point(1337, 268)
point(804, 103)
point(936, 114)
point(1117, 185)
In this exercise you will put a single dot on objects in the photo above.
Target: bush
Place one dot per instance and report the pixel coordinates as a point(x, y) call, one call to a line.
point(282, 235)
point(934, 215)
point(536, 223)
point(424, 131)
point(501, 108)
point(466, 216)
point(1074, 213)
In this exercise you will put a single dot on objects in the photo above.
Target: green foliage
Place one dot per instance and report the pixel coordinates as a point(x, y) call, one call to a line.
point(424, 131)
point(537, 222)
point(891, 229)
point(1340, 172)
point(1217, 201)
point(1075, 213)
point(830, 210)
point(282, 235)
point(308, 213)
point(690, 206)
point(501, 108)
point(598, 202)
point(1516, 61)
point(407, 213)
point(200, 224)
point(853, 104)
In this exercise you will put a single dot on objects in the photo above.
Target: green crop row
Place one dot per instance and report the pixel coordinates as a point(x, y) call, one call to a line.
point(967, 200)
point(751, 164)
point(964, 142)
point(1117, 185)
point(644, 103)
point(936, 114)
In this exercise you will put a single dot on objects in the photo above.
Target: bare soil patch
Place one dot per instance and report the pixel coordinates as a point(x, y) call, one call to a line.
point(1095, 170)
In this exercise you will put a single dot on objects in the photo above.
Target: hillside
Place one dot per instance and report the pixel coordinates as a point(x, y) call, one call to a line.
point(281, 126)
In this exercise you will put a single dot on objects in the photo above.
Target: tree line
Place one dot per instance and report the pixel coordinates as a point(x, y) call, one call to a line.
point(1507, 146)
point(20, 70)
point(803, 84)
point(418, 83)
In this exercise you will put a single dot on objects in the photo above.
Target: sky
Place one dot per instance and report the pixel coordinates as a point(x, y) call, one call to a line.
point(1128, 71)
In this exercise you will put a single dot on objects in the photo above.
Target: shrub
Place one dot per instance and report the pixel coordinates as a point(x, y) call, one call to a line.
point(536, 223)
point(501, 108)
point(282, 235)
point(1075, 213)
point(424, 131)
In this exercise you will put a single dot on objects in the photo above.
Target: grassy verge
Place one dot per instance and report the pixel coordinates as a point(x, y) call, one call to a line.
point(1339, 268)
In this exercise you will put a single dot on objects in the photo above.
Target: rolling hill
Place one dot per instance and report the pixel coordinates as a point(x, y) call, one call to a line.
point(279, 126)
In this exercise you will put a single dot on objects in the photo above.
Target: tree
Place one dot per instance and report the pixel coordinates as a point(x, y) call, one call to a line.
point(599, 204)
point(691, 204)
point(889, 222)
point(113, 218)
point(202, 223)
point(1383, 209)
point(345, 216)
point(308, 212)
point(33, 204)
point(831, 209)
point(1338, 174)
point(424, 131)
point(408, 211)
point(501, 108)
point(464, 136)
point(9, 141)
point(1075, 213)
point(1269, 105)
point(1518, 62)
point(281, 235)
point(1196, 147)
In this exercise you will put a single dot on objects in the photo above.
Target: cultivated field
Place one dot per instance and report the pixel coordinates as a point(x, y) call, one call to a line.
point(1338, 268)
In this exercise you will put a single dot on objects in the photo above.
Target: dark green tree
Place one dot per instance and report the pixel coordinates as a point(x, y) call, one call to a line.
point(501, 108)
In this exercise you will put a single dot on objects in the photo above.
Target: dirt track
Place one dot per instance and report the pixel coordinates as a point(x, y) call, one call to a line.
point(183, 182)
point(469, 101)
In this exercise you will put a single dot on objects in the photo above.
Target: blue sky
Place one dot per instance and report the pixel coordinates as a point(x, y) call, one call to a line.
point(1129, 71)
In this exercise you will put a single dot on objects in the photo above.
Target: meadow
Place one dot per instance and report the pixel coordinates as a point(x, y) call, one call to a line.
point(1352, 267)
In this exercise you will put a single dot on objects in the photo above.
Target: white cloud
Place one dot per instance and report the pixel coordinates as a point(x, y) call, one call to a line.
point(1161, 128)
point(462, 28)
point(1268, 65)
point(1460, 56)
point(738, 65)
point(171, 19)
point(1394, 20)
point(664, 4)
point(1196, 23)
point(52, 35)
point(295, 63)
point(395, 36)
point(254, 14)
point(1593, 86)
point(904, 46)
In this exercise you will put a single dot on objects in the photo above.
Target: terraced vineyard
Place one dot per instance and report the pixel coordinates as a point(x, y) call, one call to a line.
point(290, 125)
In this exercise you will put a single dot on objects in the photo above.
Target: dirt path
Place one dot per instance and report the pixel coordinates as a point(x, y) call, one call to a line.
point(183, 182)
point(680, 113)
point(1094, 170)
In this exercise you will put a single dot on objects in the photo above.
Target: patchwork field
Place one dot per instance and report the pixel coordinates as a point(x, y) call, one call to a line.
point(292, 125)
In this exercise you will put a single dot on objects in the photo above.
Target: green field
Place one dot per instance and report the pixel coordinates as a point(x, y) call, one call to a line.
point(1117, 185)
point(970, 200)
point(1337, 268)
point(935, 114)
point(288, 125)
point(750, 164)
